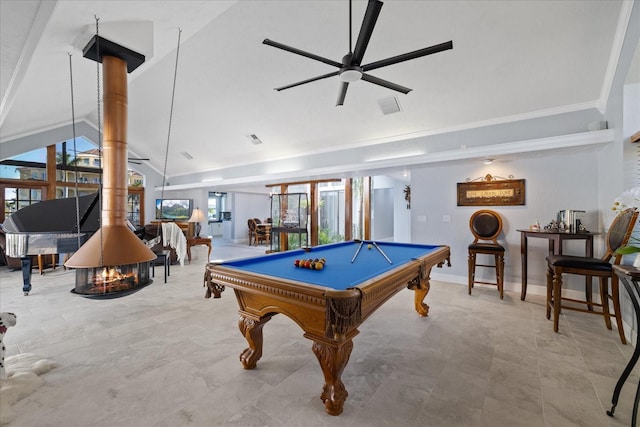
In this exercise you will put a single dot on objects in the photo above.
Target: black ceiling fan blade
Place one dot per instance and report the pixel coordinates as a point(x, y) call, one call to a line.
point(385, 83)
point(368, 22)
point(134, 162)
point(138, 158)
point(312, 79)
point(407, 56)
point(301, 52)
point(342, 93)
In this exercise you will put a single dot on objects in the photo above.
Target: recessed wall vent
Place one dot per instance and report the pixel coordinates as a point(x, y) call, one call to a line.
point(254, 139)
point(389, 105)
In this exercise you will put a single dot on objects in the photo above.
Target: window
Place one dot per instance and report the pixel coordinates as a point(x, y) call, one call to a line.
point(133, 209)
point(17, 198)
point(27, 166)
point(65, 192)
point(215, 205)
point(331, 212)
point(358, 212)
point(77, 170)
point(135, 179)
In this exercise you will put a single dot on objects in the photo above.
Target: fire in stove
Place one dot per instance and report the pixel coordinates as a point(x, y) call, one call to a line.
point(113, 279)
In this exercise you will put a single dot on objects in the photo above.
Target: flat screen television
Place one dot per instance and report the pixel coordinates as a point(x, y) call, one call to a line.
point(173, 209)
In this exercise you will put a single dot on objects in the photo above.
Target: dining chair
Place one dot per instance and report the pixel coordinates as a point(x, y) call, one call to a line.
point(251, 228)
point(261, 234)
point(557, 265)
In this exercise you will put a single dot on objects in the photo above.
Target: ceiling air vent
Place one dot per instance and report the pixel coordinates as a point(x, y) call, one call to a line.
point(389, 105)
point(254, 139)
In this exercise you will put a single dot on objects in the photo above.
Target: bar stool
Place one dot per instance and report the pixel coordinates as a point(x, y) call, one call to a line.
point(165, 256)
point(558, 265)
point(486, 225)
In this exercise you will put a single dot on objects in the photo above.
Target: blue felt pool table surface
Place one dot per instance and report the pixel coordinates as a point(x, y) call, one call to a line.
point(339, 272)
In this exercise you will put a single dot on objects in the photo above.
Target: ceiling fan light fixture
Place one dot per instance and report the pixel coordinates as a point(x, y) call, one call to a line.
point(350, 75)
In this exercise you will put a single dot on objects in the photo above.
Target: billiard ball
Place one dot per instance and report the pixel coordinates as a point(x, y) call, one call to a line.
point(369, 246)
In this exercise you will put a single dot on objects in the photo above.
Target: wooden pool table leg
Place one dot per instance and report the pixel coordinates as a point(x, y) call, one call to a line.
point(418, 300)
point(421, 286)
point(212, 287)
point(252, 331)
point(333, 358)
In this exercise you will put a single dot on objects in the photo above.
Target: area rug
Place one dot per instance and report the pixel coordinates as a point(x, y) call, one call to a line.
point(23, 378)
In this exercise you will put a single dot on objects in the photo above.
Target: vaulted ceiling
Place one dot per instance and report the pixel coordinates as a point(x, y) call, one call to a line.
point(511, 61)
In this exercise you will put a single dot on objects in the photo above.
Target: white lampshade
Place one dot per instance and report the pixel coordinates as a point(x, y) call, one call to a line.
point(197, 216)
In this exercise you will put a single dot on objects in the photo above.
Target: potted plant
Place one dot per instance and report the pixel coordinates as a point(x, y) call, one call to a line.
point(630, 199)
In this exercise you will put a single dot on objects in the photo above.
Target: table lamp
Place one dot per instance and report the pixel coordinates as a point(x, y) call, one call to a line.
point(197, 216)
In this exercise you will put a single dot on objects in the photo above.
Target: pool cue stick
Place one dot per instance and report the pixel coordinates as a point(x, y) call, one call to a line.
point(357, 252)
point(382, 252)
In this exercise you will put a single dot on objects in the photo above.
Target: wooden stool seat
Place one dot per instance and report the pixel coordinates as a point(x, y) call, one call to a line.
point(486, 226)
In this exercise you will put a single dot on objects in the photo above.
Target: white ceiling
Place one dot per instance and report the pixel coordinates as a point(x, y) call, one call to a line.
point(510, 59)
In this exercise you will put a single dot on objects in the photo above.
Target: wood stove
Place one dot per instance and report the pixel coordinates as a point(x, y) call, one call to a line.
point(114, 260)
point(101, 281)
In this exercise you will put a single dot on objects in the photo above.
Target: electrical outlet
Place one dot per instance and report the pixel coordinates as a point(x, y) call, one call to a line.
point(446, 218)
point(421, 218)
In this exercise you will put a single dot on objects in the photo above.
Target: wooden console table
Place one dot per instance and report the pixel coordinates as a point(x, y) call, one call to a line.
point(195, 241)
point(555, 247)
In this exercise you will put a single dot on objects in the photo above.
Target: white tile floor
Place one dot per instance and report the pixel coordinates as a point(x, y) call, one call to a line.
point(165, 356)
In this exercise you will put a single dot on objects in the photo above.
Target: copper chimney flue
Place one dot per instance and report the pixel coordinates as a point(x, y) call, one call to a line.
point(114, 243)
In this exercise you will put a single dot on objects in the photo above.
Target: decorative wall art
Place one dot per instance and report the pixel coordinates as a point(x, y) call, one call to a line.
point(407, 195)
point(491, 191)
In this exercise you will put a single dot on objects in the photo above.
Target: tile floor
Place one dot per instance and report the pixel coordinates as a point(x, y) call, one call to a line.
point(165, 356)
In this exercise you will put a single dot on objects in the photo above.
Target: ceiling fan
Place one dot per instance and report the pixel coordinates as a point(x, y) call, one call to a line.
point(137, 160)
point(351, 70)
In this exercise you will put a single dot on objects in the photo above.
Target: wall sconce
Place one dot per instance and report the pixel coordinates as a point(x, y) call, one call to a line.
point(197, 216)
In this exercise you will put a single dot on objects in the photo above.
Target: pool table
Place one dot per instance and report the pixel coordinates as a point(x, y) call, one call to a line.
point(328, 304)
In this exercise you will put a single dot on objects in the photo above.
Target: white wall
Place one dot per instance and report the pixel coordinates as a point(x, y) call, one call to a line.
point(382, 214)
point(554, 181)
point(244, 206)
point(401, 215)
